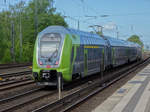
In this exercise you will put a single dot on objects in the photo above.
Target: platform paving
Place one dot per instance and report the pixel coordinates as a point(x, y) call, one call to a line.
point(134, 96)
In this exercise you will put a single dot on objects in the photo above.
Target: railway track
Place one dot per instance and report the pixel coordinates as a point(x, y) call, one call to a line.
point(6, 66)
point(15, 74)
point(9, 104)
point(6, 86)
point(34, 101)
point(39, 99)
point(4, 83)
point(18, 95)
point(71, 100)
point(13, 80)
point(10, 78)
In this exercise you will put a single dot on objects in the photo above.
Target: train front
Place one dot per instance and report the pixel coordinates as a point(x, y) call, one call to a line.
point(47, 56)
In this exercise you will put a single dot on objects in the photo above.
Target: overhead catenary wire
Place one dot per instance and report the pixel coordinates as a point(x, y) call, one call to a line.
point(119, 15)
point(90, 8)
point(79, 19)
point(85, 5)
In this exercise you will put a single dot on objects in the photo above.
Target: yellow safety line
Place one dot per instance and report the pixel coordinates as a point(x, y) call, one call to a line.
point(91, 46)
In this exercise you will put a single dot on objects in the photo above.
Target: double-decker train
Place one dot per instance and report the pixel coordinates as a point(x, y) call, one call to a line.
point(77, 54)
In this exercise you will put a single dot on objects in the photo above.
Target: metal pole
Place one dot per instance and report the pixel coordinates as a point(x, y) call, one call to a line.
point(117, 35)
point(59, 85)
point(117, 32)
point(20, 36)
point(12, 41)
point(101, 29)
point(36, 18)
point(52, 3)
point(78, 25)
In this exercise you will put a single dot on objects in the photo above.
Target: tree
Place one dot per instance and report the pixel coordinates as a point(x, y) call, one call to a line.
point(135, 39)
point(28, 19)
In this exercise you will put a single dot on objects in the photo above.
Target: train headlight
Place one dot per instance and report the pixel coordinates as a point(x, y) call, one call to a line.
point(56, 63)
point(46, 75)
point(40, 62)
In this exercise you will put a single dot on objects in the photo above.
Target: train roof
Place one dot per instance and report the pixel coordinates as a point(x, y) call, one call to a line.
point(85, 37)
point(132, 44)
point(54, 29)
point(116, 42)
point(119, 42)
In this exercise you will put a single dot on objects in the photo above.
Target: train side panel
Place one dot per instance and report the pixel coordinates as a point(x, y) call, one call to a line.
point(82, 54)
point(65, 66)
point(120, 55)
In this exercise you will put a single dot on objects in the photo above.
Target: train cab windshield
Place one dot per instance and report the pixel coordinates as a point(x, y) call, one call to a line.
point(49, 51)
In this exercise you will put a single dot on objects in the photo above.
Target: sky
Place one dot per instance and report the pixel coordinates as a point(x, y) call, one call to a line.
point(127, 17)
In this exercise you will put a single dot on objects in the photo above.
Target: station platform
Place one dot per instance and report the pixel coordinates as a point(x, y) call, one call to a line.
point(134, 96)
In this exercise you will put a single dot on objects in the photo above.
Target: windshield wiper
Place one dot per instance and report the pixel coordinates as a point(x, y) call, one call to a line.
point(49, 59)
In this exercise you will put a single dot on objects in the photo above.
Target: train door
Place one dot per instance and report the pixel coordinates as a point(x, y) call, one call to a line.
point(103, 61)
point(85, 62)
point(109, 53)
point(106, 56)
